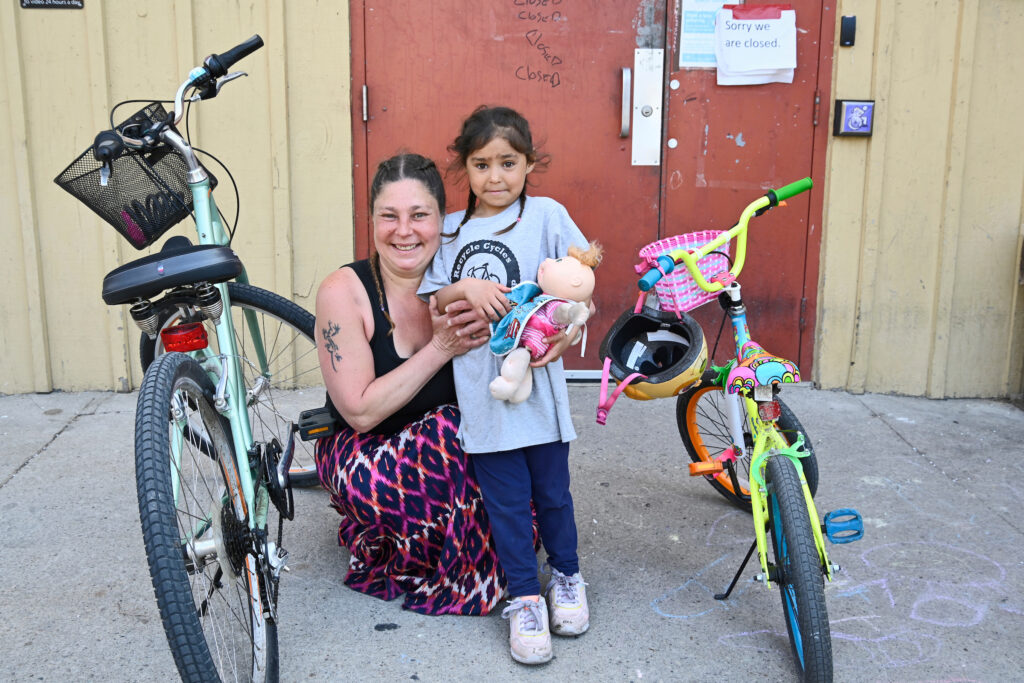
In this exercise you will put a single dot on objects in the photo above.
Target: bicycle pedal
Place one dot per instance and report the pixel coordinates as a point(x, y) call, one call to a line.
point(316, 424)
point(844, 526)
point(699, 469)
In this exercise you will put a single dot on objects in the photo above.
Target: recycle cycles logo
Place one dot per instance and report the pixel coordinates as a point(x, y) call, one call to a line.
point(487, 260)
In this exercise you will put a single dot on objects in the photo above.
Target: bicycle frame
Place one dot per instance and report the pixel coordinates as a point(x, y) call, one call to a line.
point(211, 471)
point(224, 370)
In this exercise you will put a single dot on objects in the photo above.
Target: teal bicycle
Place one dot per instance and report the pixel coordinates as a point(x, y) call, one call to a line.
point(215, 453)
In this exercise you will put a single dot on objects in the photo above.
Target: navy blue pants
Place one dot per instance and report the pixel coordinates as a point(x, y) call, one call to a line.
point(509, 480)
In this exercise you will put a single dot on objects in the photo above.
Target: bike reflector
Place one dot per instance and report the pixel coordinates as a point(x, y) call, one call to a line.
point(769, 410)
point(185, 337)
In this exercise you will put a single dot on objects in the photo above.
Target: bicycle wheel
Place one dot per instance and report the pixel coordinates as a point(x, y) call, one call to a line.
point(798, 571)
point(286, 331)
point(194, 524)
point(704, 428)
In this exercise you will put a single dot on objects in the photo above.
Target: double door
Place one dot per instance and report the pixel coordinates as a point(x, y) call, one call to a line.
point(640, 149)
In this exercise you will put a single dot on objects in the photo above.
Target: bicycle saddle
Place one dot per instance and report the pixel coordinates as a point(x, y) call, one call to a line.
point(178, 263)
point(760, 368)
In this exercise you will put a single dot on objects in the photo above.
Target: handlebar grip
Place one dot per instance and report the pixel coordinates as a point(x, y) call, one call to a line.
point(652, 276)
point(793, 189)
point(107, 146)
point(218, 65)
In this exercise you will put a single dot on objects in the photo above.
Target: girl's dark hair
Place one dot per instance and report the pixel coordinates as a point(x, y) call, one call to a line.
point(402, 167)
point(482, 126)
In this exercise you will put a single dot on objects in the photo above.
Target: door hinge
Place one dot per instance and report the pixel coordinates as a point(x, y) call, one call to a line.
point(803, 313)
point(817, 105)
point(366, 107)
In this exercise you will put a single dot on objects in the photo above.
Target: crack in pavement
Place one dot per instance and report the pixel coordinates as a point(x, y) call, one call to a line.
point(87, 410)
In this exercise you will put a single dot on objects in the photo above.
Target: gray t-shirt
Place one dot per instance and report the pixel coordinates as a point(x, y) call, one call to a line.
point(545, 231)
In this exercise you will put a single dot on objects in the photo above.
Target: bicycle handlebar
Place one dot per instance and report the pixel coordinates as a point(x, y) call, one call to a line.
point(652, 276)
point(218, 65)
point(204, 79)
point(791, 190)
point(690, 257)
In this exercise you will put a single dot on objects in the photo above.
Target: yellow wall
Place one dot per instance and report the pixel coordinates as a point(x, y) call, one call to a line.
point(919, 287)
point(921, 252)
point(284, 132)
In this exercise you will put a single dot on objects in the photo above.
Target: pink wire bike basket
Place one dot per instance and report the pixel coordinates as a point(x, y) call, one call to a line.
point(678, 292)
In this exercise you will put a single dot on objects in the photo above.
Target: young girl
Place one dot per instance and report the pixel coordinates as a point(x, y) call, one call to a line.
point(519, 451)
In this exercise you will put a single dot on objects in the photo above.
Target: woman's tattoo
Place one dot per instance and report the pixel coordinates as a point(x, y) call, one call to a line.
point(330, 345)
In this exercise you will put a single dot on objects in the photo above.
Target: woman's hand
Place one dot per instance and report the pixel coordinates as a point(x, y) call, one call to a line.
point(466, 321)
point(459, 329)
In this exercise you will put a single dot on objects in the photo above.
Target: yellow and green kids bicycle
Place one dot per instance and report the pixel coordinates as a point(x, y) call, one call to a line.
point(740, 436)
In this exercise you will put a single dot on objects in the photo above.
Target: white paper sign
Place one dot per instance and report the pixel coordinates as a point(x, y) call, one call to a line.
point(755, 44)
point(697, 33)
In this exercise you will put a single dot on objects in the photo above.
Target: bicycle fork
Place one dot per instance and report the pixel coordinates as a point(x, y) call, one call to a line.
point(759, 492)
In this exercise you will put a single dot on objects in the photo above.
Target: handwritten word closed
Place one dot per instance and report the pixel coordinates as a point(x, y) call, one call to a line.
point(536, 3)
point(539, 17)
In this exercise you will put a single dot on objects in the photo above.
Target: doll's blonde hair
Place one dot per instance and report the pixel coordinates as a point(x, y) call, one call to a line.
point(591, 256)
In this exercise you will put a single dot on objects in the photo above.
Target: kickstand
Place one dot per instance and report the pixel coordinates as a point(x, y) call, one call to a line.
point(728, 591)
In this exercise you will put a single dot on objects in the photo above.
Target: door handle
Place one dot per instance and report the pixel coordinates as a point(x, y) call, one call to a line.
point(627, 91)
point(648, 69)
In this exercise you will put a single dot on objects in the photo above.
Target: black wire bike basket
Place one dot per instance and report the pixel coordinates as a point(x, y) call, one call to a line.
point(147, 193)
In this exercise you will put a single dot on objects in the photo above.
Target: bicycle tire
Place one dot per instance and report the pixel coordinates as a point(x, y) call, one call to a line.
point(287, 329)
point(210, 598)
point(798, 572)
point(704, 428)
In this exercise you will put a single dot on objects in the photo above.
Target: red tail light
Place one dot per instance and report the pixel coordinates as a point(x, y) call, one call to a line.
point(186, 337)
point(769, 410)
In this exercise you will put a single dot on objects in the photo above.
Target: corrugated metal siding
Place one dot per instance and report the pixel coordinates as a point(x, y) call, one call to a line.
point(923, 221)
point(284, 132)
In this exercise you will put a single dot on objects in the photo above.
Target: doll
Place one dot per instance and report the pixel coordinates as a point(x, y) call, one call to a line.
point(560, 299)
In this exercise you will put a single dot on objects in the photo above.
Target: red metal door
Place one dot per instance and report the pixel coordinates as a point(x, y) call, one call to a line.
point(731, 143)
point(427, 65)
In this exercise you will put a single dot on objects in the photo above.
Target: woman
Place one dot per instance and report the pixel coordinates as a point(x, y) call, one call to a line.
point(412, 516)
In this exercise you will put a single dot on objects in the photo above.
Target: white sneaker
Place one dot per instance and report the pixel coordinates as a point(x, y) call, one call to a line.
point(529, 637)
point(570, 615)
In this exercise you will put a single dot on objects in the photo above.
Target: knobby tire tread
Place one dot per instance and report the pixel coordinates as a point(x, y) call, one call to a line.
point(803, 571)
point(160, 528)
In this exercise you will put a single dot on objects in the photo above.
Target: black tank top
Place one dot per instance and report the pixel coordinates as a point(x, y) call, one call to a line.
point(438, 391)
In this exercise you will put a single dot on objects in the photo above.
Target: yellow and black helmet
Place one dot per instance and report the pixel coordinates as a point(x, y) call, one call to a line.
point(667, 348)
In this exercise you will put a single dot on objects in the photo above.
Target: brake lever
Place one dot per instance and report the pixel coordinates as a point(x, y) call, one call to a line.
point(211, 90)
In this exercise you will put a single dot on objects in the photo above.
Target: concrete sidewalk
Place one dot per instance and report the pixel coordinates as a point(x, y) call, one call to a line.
point(934, 591)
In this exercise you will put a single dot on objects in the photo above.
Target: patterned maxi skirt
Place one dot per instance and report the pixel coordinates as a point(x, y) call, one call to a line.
point(412, 516)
